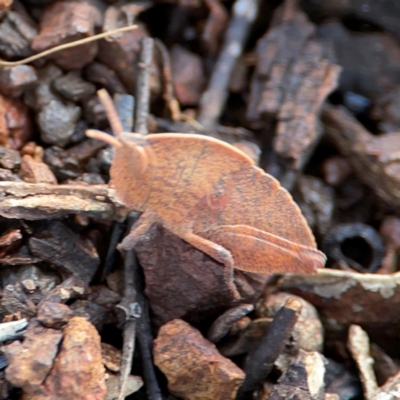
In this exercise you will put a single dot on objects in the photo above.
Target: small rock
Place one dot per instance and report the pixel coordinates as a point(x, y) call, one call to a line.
point(54, 315)
point(67, 21)
point(94, 313)
point(15, 124)
point(78, 371)
point(73, 87)
point(193, 366)
point(7, 175)
point(33, 171)
point(16, 33)
point(133, 384)
point(30, 362)
point(43, 93)
point(9, 158)
point(62, 163)
point(15, 80)
point(111, 357)
point(101, 75)
point(57, 121)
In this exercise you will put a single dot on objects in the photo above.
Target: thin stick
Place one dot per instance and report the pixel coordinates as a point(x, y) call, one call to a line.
point(132, 287)
point(169, 94)
point(260, 360)
point(214, 98)
point(143, 86)
point(132, 313)
point(66, 46)
point(145, 339)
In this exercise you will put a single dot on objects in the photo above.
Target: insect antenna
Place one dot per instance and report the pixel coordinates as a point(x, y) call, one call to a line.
point(105, 137)
point(111, 112)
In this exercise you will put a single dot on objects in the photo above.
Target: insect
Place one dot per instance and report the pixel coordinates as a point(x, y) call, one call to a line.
point(211, 195)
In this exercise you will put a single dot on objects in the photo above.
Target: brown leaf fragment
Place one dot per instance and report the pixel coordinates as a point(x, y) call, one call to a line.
point(304, 379)
point(78, 372)
point(181, 281)
point(33, 171)
point(194, 368)
point(31, 361)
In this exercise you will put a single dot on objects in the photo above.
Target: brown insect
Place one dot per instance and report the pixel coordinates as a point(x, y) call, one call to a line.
point(212, 196)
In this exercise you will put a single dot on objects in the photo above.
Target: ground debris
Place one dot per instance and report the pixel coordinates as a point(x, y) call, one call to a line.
point(255, 74)
point(78, 371)
point(293, 77)
point(361, 147)
point(303, 380)
point(42, 201)
point(70, 253)
point(30, 362)
point(193, 366)
point(344, 298)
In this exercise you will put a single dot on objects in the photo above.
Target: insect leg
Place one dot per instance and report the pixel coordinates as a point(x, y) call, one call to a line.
point(139, 228)
point(255, 250)
point(214, 250)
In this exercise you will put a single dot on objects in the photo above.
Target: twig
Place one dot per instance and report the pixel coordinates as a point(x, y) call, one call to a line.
point(131, 291)
point(169, 95)
point(66, 46)
point(143, 86)
point(143, 324)
point(131, 312)
point(124, 105)
point(260, 360)
point(224, 322)
point(34, 201)
point(145, 339)
point(214, 98)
